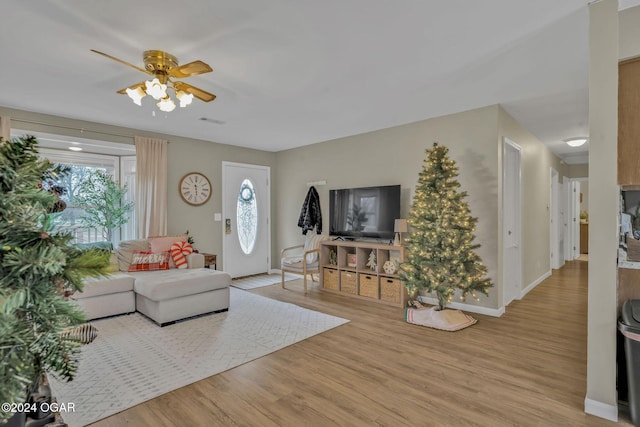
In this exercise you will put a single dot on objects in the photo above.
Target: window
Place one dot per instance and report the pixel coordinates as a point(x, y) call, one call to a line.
point(247, 217)
point(80, 165)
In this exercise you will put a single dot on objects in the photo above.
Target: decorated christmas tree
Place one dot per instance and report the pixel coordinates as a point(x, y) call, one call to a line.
point(440, 255)
point(38, 265)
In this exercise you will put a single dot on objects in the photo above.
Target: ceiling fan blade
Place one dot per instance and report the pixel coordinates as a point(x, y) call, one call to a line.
point(197, 92)
point(123, 91)
point(122, 62)
point(191, 69)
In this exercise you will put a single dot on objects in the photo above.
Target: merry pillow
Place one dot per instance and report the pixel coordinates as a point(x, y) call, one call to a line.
point(149, 261)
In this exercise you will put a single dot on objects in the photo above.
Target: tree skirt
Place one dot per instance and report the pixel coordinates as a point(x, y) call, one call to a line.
point(446, 320)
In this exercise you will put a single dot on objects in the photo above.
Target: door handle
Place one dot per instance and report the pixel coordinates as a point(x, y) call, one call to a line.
point(509, 232)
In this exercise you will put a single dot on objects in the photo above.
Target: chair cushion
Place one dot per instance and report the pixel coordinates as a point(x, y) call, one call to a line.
point(295, 263)
point(311, 242)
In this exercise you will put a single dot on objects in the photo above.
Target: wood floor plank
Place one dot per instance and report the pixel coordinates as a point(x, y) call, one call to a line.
point(526, 368)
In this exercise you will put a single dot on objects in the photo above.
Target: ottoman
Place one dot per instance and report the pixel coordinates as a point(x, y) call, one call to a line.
point(106, 296)
point(168, 296)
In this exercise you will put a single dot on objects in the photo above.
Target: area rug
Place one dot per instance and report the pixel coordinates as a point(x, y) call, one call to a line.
point(258, 281)
point(133, 360)
point(446, 320)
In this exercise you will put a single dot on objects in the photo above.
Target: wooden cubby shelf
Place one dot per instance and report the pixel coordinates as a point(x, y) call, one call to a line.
point(344, 270)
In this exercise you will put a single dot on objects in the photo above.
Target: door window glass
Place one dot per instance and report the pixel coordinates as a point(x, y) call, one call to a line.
point(247, 216)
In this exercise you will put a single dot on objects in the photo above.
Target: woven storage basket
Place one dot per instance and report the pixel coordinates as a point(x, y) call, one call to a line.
point(390, 289)
point(348, 282)
point(330, 279)
point(369, 285)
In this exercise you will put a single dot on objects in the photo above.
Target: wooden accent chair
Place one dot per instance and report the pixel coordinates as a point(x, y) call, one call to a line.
point(302, 259)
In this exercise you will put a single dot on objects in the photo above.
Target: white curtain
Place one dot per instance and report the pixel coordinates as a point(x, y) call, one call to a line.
point(151, 187)
point(5, 128)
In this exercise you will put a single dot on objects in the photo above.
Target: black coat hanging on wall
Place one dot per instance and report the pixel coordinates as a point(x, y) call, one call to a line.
point(310, 215)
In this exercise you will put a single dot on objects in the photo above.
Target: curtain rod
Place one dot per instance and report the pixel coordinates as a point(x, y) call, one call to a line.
point(82, 130)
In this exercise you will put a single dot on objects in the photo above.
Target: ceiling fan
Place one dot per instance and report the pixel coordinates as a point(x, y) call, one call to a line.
point(164, 68)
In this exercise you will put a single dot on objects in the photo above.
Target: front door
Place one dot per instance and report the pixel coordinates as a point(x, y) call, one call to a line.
point(245, 206)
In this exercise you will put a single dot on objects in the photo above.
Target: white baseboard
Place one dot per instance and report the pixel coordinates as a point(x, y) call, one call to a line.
point(535, 283)
point(275, 271)
point(600, 409)
point(495, 312)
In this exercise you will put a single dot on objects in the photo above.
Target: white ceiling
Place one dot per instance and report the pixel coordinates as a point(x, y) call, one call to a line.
point(289, 73)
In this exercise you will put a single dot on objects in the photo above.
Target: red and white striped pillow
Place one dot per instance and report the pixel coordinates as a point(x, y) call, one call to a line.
point(179, 252)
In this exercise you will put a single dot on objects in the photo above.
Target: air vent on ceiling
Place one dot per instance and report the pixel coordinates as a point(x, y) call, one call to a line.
point(214, 121)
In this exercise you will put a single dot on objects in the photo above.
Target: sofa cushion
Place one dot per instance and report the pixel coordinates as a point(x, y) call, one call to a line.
point(168, 284)
point(126, 249)
point(149, 261)
point(163, 244)
point(111, 284)
point(179, 252)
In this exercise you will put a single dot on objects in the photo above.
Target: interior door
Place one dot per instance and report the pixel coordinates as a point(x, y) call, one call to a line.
point(511, 223)
point(245, 206)
point(575, 219)
point(567, 200)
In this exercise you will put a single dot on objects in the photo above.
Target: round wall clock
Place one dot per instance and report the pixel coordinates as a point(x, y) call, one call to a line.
point(195, 188)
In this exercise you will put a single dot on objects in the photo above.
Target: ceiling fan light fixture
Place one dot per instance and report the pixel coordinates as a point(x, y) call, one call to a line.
point(162, 68)
point(576, 142)
point(156, 89)
point(184, 98)
point(166, 104)
point(136, 95)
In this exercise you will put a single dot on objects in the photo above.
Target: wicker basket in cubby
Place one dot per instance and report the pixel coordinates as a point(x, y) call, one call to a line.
point(368, 285)
point(390, 289)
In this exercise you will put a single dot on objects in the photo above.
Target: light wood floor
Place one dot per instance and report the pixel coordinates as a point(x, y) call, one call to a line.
point(526, 368)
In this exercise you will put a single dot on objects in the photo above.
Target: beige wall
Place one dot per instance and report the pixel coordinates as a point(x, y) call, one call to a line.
point(629, 40)
point(185, 155)
point(537, 162)
point(395, 156)
point(578, 171)
point(601, 396)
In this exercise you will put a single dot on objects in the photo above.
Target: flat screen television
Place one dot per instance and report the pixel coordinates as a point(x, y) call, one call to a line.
point(364, 212)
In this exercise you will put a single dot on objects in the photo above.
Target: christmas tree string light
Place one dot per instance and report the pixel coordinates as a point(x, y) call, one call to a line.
point(440, 251)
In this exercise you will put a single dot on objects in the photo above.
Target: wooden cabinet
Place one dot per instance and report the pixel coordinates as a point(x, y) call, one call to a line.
point(629, 122)
point(346, 269)
point(584, 238)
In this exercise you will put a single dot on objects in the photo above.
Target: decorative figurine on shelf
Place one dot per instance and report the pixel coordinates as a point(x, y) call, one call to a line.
point(390, 267)
point(372, 260)
point(333, 257)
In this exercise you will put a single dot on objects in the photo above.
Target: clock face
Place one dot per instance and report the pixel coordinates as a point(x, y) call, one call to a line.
point(195, 188)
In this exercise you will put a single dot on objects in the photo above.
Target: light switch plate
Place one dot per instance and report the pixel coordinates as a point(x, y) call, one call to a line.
point(217, 216)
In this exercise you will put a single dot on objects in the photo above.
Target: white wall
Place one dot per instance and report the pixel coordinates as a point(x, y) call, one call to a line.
point(601, 397)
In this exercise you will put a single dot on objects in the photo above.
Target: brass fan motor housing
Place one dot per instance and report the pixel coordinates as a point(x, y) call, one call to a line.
point(159, 62)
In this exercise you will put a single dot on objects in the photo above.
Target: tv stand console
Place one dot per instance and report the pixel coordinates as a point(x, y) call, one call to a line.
point(344, 270)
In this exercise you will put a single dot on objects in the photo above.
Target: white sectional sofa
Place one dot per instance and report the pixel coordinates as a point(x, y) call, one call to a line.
point(165, 296)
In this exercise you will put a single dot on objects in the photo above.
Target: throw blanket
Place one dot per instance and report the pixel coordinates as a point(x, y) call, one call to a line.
point(310, 215)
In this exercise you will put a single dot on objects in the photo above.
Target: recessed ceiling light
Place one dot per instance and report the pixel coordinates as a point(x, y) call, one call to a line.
point(576, 142)
point(75, 148)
